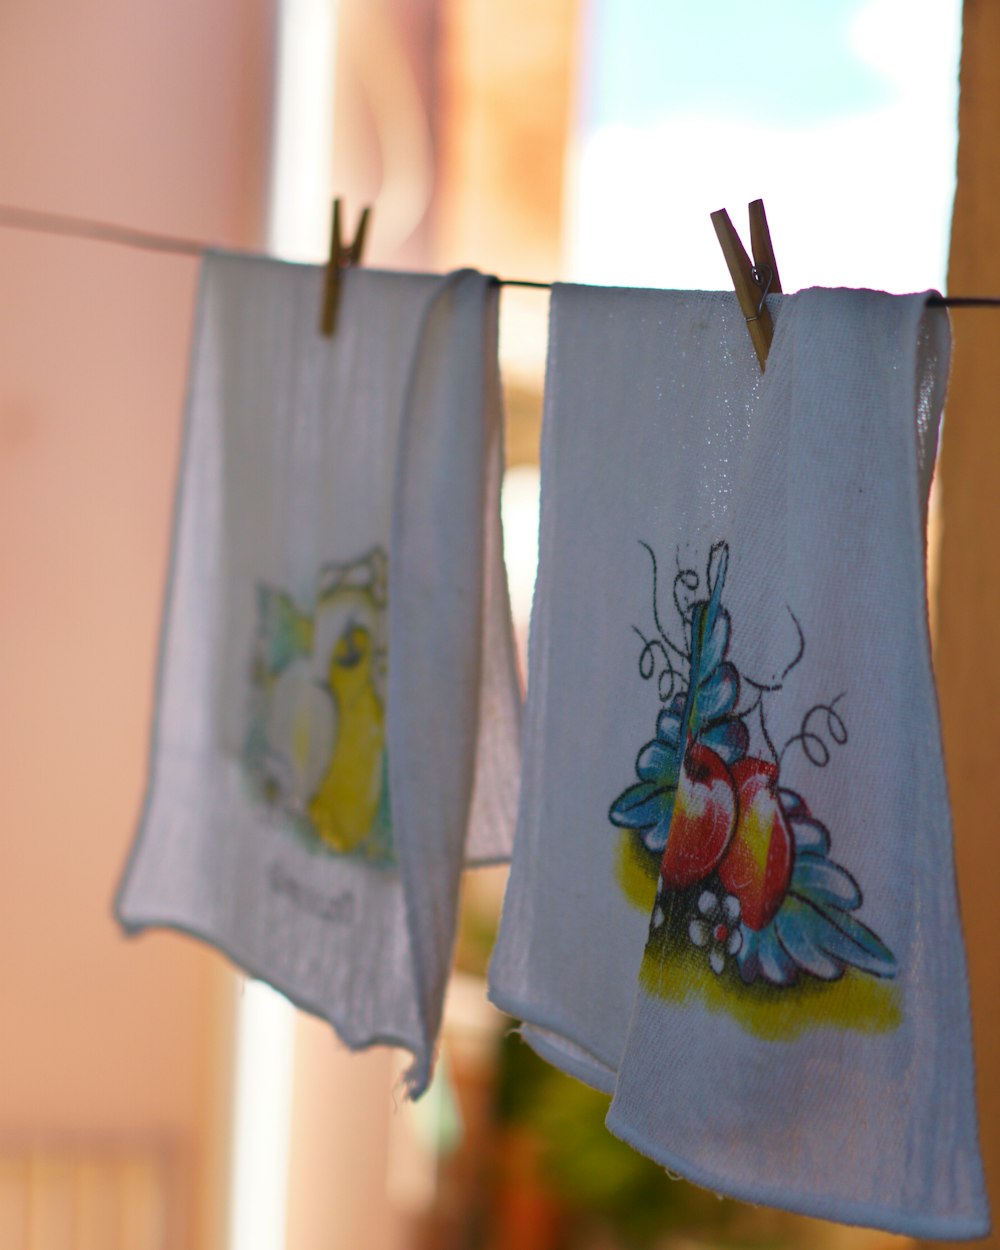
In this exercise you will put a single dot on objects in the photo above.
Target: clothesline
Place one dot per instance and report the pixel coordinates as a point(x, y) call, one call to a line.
point(38, 222)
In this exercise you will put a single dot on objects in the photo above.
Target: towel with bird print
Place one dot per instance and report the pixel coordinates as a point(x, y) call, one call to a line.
point(338, 709)
point(316, 745)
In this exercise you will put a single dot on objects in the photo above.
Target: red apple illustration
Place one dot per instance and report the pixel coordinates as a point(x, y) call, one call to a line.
point(703, 819)
point(758, 864)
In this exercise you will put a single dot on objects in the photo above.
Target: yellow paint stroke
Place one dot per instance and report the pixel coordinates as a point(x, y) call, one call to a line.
point(343, 809)
point(857, 1001)
point(636, 871)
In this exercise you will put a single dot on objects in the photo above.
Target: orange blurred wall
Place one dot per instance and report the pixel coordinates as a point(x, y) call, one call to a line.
point(156, 115)
point(968, 599)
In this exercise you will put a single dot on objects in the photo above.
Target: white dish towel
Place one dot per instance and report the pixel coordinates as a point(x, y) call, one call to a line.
point(338, 715)
point(732, 899)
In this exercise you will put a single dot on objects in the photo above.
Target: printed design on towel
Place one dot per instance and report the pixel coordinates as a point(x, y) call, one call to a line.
point(316, 746)
point(748, 899)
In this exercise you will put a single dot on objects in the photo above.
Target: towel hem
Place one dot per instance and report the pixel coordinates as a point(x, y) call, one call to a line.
point(890, 1219)
point(586, 1073)
point(527, 1014)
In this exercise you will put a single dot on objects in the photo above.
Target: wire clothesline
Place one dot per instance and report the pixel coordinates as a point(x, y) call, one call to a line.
point(36, 221)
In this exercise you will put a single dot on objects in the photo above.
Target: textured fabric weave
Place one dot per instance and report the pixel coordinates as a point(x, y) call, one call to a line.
point(732, 900)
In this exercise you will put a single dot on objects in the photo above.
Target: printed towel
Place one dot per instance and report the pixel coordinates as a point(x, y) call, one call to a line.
point(338, 709)
point(732, 900)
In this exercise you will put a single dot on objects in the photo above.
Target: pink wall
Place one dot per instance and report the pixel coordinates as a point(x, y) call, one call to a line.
point(155, 115)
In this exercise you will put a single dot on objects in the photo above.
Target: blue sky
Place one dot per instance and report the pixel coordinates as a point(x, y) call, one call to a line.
point(775, 61)
point(841, 114)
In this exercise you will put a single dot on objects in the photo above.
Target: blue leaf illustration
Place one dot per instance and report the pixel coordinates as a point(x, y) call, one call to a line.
point(654, 838)
point(670, 720)
point(822, 939)
point(717, 696)
point(747, 956)
point(285, 632)
point(647, 807)
point(714, 685)
point(715, 631)
point(657, 759)
point(773, 961)
point(820, 880)
point(729, 739)
point(637, 806)
point(801, 930)
point(811, 836)
point(845, 937)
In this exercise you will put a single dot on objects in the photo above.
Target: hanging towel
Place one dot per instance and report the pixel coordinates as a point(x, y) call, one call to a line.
point(337, 724)
point(734, 812)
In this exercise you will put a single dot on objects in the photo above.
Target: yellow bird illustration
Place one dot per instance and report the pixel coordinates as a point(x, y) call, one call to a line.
point(344, 807)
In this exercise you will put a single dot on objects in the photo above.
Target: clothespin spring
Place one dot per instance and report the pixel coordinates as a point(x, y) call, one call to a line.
point(763, 275)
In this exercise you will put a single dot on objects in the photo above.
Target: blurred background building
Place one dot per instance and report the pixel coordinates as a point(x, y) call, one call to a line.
point(150, 1099)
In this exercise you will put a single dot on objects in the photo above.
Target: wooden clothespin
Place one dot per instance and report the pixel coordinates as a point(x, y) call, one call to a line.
point(753, 282)
point(342, 256)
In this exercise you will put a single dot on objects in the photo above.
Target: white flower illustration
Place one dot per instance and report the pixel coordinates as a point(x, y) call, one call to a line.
point(715, 926)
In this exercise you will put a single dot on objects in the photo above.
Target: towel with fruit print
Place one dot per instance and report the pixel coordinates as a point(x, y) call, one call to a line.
point(751, 910)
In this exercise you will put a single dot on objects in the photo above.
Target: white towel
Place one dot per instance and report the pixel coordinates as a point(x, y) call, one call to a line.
point(338, 710)
point(732, 899)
